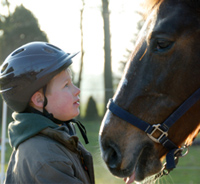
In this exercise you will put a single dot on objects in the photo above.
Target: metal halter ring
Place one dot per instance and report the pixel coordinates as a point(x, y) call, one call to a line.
point(157, 129)
point(181, 152)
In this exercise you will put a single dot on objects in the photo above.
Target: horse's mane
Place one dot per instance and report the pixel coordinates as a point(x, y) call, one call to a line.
point(150, 4)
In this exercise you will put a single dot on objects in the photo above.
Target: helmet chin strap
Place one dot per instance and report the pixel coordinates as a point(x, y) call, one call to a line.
point(45, 112)
point(57, 121)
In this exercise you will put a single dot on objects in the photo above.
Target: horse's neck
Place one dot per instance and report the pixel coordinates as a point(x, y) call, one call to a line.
point(192, 136)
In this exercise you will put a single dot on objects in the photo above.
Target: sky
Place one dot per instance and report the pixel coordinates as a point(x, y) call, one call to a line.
point(60, 20)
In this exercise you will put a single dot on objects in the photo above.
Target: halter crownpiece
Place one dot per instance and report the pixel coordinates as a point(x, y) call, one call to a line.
point(163, 128)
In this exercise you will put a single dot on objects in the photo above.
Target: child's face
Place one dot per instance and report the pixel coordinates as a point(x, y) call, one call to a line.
point(62, 96)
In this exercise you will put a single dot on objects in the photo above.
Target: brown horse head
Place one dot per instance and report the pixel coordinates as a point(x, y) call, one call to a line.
point(163, 72)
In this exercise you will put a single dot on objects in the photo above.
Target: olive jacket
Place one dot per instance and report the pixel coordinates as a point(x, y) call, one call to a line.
point(44, 152)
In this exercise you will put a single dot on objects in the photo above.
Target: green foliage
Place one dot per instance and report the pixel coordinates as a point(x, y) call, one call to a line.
point(91, 109)
point(17, 29)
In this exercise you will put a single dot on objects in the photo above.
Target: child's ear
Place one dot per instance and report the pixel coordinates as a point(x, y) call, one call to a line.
point(37, 99)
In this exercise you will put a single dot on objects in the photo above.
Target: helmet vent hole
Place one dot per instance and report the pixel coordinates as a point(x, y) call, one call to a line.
point(4, 67)
point(17, 51)
point(53, 46)
point(48, 50)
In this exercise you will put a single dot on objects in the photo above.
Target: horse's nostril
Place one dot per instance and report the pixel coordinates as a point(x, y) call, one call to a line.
point(112, 157)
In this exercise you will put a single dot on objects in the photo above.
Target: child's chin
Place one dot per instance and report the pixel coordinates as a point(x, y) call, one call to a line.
point(76, 114)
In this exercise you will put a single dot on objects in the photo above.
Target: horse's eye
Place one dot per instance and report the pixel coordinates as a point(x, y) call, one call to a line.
point(162, 45)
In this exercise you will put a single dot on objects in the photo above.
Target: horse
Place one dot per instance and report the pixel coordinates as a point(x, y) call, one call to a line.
point(162, 73)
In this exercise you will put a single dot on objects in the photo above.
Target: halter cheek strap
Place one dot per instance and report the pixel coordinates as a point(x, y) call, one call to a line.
point(161, 128)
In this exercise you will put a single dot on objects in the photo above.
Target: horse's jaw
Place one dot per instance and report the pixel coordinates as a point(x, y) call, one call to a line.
point(132, 157)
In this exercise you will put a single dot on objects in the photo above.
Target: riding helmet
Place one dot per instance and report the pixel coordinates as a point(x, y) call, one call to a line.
point(29, 68)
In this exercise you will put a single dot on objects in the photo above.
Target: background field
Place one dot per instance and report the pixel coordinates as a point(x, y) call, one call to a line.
point(187, 171)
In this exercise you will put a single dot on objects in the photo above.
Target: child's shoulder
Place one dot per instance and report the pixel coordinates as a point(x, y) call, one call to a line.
point(43, 147)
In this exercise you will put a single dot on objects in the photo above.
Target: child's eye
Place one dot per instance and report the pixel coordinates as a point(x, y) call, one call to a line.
point(66, 85)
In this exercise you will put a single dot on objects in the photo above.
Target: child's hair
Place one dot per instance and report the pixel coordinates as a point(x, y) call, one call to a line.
point(28, 69)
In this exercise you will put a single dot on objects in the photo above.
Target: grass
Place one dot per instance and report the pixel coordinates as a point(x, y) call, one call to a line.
point(187, 171)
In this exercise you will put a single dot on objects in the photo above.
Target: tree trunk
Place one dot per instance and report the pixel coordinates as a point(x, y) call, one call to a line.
point(82, 50)
point(107, 51)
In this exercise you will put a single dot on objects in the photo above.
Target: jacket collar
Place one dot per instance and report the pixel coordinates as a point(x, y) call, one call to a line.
point(26, 125)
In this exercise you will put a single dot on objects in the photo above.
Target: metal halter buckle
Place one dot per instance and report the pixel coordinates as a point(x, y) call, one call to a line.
point(159, 130)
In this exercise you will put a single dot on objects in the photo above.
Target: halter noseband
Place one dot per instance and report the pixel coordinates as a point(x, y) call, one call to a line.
point(162, 128)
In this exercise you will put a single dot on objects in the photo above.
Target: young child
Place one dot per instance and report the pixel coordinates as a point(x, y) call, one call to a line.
point(35, 82)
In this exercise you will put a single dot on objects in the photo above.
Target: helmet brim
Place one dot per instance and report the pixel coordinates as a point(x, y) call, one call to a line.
point(62, 63)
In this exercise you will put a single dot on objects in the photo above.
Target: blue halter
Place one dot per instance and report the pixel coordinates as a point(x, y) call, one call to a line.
point(161, 128)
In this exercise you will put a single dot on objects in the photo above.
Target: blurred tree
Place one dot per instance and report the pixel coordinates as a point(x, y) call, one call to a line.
point(17, 29)
point(82, 49)
point(91, 110)
point(107, 52)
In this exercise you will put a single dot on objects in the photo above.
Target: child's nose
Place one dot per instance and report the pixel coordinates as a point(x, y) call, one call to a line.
point(77, 91)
